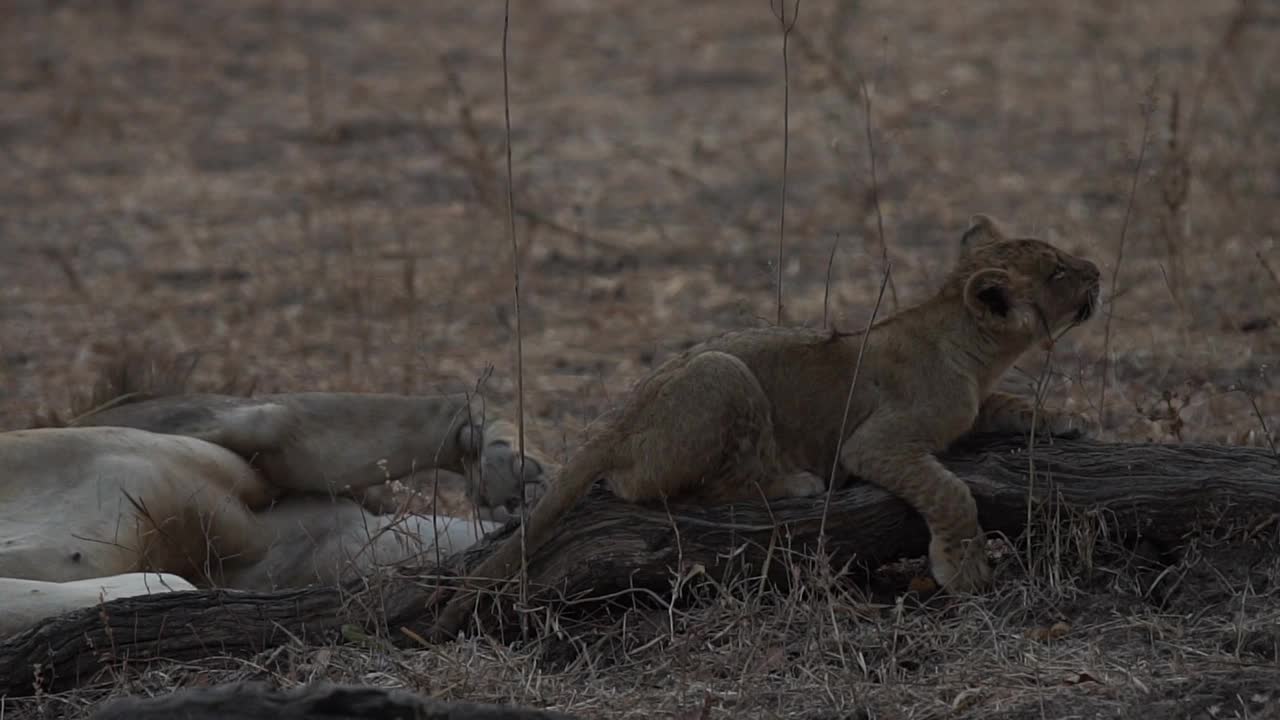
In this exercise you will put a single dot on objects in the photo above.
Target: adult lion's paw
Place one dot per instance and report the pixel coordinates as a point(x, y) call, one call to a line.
point(500, 484)
point(804, 484)
point(1065, 424)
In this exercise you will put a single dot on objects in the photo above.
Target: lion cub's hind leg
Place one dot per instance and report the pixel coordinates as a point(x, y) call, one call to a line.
point(703, 430)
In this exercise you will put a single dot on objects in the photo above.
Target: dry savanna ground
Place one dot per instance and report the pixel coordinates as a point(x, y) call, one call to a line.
point(312, 195)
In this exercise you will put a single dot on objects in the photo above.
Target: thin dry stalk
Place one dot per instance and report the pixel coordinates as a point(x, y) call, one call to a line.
point(1266, 265)
point(476, 166)
point(62, 258)
point(728, 211)
point(1262, 421)
point(1176, 183)
point(317, 115)
point(1216, 64)
point(1147, 107)
point(855, 90)
point(780, 13)
point(857, 365)
point(826, 288)
point(1041, 386)
point(479, 479)
point(515, 291)
point(1173, 294)
point(409, 282)
point(875, 193)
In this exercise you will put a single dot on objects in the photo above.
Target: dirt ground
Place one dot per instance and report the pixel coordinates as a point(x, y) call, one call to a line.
point(312, 195)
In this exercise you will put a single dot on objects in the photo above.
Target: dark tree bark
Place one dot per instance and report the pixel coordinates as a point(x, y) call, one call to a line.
point(605, 545)
point(256, 701)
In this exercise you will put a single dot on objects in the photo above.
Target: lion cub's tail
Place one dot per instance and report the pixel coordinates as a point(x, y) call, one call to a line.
point(576, 478)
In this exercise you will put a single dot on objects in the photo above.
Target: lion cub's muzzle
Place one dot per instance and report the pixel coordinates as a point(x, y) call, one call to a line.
point(1092, 293)
point(1090, 304)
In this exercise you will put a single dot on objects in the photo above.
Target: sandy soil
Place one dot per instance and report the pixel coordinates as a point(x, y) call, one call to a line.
point(312, 194)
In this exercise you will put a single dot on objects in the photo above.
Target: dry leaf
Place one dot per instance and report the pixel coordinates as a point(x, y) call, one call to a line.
point(966, 698)
point(922, 584)
point(701, 713)
point(1044, 633)
point(1078, 678)
point(415, 637)
point(322, 658)
point(773, 659)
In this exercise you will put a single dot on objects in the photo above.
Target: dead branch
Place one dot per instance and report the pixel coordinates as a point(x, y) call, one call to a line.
point(258, 701)
point(606, 546)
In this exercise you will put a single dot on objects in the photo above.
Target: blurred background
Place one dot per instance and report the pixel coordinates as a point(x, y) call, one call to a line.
point(313, 194)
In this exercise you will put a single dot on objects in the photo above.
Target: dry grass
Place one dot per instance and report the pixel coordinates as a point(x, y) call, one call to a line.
point(314, 192)
point(1087, 629)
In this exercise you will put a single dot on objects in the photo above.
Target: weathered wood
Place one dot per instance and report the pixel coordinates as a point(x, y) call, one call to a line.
point(606, 545)
point(257, 701)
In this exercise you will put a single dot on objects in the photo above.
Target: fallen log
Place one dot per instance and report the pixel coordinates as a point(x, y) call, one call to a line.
point(257, 701)
point(606, 545)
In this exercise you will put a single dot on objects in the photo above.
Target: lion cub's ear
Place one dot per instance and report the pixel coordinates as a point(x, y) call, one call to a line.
point(987, 294)
point(982, 230)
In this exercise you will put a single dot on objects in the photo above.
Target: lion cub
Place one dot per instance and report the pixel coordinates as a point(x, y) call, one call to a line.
point(758, 413)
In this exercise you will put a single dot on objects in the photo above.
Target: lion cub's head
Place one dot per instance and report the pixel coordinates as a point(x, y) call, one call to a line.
point(1020, 288)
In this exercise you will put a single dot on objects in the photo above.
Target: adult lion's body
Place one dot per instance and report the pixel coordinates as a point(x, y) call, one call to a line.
point(254, 493)
point(86, 508)
point(760, 413)
point(80, 503)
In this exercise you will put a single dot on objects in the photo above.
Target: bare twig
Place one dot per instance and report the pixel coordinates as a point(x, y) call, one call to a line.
point(316, 102)
point(855, 89)
point(780, 12)
point(476, 166)
point(515, 289)
point(729, 213)
point(1215, 64)
point(1038, 392)
point(61, 257)
point(1147, 107)
point(826, 289)
point(1262, 421)
point(844, 420)
point(1176, 184)
point(875, 193)
point(1266, 265)
point(1039, 389)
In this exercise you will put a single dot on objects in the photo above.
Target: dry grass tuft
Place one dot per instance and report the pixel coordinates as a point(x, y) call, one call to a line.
point(1089, 627)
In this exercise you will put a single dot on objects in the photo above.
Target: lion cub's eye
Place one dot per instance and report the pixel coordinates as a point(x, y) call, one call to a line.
point(1059, 272)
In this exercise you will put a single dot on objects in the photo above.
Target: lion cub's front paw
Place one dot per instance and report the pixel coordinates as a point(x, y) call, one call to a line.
point(960, 566)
